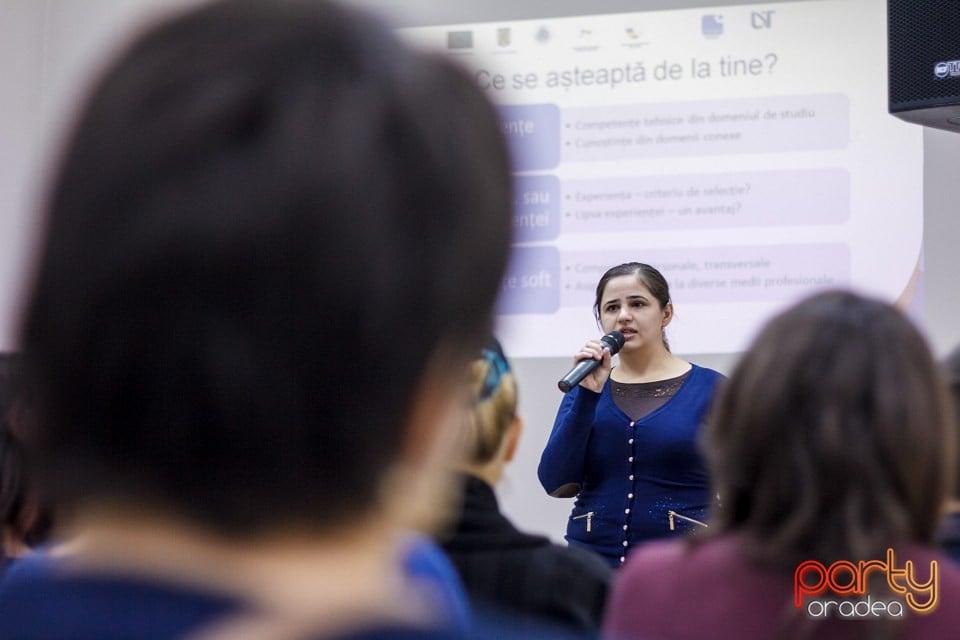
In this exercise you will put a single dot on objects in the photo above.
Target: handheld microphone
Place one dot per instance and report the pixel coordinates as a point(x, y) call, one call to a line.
point(613, 341)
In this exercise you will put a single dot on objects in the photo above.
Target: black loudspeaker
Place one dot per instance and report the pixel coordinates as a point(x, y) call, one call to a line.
point(924, 61)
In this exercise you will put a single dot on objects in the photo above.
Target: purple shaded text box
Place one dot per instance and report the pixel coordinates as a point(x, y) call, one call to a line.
point(720, 200)
point(718, 274)
point(747, 125)
point(531, 283)
point(536, 208)
point(533, 135)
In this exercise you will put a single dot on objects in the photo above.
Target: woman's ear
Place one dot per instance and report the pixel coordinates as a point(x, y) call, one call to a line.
point(667, 315)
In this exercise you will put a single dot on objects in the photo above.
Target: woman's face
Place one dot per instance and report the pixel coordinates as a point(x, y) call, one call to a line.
point(628, 306)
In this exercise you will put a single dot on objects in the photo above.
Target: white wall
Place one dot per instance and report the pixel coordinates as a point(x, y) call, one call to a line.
point(48, 48)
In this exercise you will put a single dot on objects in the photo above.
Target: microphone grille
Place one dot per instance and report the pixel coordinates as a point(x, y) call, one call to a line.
point(614, 340)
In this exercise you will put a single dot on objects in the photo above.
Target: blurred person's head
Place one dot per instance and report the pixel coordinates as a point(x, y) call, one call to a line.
point(952, 369)
point(951, 366)
point(491, 425)
point(252, 307)
point(832, 438)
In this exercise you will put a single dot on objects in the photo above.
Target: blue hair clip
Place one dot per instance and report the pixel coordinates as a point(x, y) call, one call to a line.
point(497, 367)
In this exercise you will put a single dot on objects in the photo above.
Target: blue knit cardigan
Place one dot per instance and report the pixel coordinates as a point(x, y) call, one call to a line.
point(633, 474)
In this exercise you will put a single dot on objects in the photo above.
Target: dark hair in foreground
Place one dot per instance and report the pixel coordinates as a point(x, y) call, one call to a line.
point(833, 437)
point(951, 365)
point(951, 368)
point(257, 243)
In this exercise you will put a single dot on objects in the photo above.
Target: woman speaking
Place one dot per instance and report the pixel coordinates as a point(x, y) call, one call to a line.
point(625, 440)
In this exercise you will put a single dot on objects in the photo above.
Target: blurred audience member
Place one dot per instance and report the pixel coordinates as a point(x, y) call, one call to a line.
point(949, 534)
point(500, 565)
point(831, 449)
point(248, 325)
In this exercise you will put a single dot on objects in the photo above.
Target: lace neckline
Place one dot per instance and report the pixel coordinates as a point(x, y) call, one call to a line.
point(655, 389)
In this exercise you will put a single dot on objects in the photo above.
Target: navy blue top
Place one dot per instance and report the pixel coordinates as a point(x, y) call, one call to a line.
point(424, 563)
point(631, 473)
point(45, 606)
point(44, 603)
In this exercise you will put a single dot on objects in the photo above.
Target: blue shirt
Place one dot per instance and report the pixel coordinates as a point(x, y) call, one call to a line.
point(425, 563)
point(41, 601)
point(632, 473)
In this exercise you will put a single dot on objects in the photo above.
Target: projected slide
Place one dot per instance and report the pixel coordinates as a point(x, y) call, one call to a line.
point(745, 151)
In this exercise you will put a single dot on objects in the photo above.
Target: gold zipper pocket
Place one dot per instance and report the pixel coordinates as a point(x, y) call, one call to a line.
point(589, 516)
point(673, 514)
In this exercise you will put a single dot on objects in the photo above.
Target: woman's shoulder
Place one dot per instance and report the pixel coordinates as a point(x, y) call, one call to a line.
point(701, 370)
point(664, 555)
point(662, 579)
point(650, 562)
point(706, 376)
